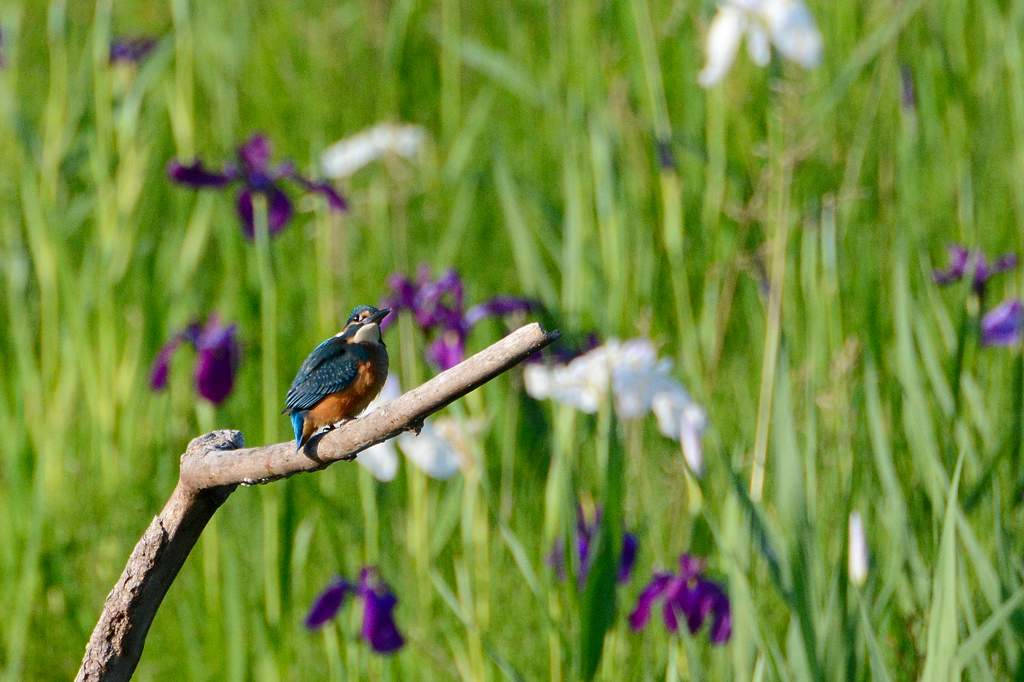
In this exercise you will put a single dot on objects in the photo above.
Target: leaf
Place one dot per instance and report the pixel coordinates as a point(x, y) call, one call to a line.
point(974, 644)
point(942, 621)
point(597, 607)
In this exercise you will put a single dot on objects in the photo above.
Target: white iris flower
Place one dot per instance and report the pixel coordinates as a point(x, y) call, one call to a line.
point(640, 382)
point(347, 156)
point(786, 24)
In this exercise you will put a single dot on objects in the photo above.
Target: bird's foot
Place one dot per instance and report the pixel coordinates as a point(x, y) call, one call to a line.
point(415, 426)
point(346, 420)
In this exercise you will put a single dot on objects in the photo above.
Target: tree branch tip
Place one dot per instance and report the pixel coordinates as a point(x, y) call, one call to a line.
point(221, 439)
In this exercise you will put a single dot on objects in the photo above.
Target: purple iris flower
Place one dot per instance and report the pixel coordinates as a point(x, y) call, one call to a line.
point(688, 595)
point(963, 262)
point(379, 629)
point(586, 534)
point(1002, 325)
point(217, 357)
point(256, 175)
point(131, 50)
point(438, 306)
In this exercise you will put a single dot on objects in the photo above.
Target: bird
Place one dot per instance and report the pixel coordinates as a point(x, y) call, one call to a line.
point(340, 377)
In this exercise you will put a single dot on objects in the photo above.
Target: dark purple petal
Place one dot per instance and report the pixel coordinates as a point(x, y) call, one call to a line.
point(335, 201)
point(556, 558)
point(162, 364)
point(254, 154)
point(403, 297)
point(218, 361)
point(131, 50)
point(439, 302)
point(1004, 263)
point(379, 628)
point(700, 603)
point(403, 292)
point(721, 623)
point(645, 602)
point(958, 257)
point(690, 566)
point(447, 350)
point(197, 175)
point(1002, 325)
point(499, 306)
point(627, 559)
point(327, 605)
point(679, 600)
point(279, 210)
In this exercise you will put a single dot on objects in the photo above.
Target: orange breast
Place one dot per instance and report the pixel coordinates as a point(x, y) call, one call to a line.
point(346, 404)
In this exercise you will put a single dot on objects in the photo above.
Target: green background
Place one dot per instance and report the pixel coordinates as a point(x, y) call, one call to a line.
point(541, 178)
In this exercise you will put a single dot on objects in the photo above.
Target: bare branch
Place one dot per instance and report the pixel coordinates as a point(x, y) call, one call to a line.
point(214, 464)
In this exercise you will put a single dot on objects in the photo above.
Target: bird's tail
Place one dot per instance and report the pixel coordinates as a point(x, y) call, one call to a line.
point(298, 424)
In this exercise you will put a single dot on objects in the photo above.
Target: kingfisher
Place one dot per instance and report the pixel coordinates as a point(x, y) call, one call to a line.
point(340, 377)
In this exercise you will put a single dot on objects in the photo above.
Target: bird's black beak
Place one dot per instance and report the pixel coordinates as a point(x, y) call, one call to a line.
point(378, 316)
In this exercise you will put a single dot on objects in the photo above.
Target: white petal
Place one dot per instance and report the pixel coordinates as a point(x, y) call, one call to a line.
point(758, 46)
point(349, 155)
point(431, 452)
point(793, 31)
point(723, 40)
point(537, 380)
point(638, 376)
point(381, 460)
point(680, 418)
point(857, 557)
point(582, 383)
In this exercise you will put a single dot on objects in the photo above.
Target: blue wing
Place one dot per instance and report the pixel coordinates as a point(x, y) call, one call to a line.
point(330, 368)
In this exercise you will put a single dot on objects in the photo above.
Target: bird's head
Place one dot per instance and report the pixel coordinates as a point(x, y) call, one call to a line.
point(363, 325)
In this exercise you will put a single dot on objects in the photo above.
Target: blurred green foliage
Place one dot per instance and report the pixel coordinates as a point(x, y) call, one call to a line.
point(827, 188)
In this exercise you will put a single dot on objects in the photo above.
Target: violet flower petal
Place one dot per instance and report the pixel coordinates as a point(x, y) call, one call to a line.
point(327, 605)
point(699, 603)
point(218, 361)
point(254, 154)
point(335, 201)
point(447, 350)
point(679, 598)
point(197, 175)
point(690, 566)
point(627, 559)
point(1002, 325)
point(721, 623)
point(645, 602)
point(1004, 263)
point(499, 306)
point(958, 257)
point(279, 210)
point(556, 558)
point(432, 308)
point(131, 50)
point(379, 628)
point(162, 364)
